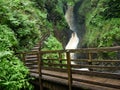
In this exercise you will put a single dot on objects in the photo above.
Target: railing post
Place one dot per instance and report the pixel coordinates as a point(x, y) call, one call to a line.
point(60, 59)
point(23, 58)
point(40, 70)
point(69, 70)
point(90, 60)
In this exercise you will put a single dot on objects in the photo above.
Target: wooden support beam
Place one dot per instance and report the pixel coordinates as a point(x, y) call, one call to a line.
point(23, 57)
point(60, 59)
point(69, 70)
point(90, 61)
point(39, 70)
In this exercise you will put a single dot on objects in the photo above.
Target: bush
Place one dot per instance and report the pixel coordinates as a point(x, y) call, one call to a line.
point(103, 24)
point(7, 38)
point(25, 19)
point(13, 75)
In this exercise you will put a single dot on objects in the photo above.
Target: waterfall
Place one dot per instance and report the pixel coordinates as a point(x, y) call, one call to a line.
point(72, 44)
point(69, 16)
point(74, 41)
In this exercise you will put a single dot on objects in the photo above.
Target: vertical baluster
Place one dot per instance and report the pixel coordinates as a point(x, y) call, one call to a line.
point(40, 69)
point(24, 57)
point(60, 59)
point(69, 70)
point(90, 61)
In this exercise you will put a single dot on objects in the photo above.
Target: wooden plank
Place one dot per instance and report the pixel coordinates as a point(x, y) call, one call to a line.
point(32, 66)
point(62, 76)
point(110, 61)
point(95, 60)
point(108, 49)
point(50, 59)
point(31, 59)
point(33, 71)
point(97, 81)
point(116, 48)
point(55, 69)
point(83, 80)
point(97, 74)
point(89, 86)
point(31, 56)
point(31, 63)
point(96, 66)
point(53, 51)
point(54, 65)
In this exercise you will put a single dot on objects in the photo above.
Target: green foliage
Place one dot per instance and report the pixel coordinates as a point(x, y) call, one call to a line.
point(103, 24)
point(13, 74)
point(20, 24)
point(7, 38)
point(112, 9)
point(52, 44)
point(25, 19)
point(111, 34)
point(55, 13)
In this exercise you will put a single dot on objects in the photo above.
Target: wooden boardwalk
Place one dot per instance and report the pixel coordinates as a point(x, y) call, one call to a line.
point(80, 81)
point(103, 73)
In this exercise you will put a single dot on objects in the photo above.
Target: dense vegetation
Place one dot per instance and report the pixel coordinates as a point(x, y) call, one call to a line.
point(23, 22)
point(102, 20)
point(20, 23)
point(103, 24)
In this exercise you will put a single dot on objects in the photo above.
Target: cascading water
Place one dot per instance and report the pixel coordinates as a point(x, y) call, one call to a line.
point(71, 19)
point(69, 16)
point(74, 40)
point(72, 44)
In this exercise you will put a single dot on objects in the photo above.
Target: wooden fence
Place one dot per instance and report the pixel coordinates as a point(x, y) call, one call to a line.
point(101, 64)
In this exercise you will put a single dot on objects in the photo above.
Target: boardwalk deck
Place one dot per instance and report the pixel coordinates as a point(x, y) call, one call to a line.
point(80, 81)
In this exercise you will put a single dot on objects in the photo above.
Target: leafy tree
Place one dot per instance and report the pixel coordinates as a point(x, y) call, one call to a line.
point(103, 24)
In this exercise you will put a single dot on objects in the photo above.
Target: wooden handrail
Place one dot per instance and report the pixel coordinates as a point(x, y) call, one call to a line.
point(83, 50)
point(71, 68)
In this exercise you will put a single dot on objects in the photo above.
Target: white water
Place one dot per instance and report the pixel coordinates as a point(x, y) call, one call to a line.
point(69, 16)
point(82, 69)
point(74, 40)
point(72, 44)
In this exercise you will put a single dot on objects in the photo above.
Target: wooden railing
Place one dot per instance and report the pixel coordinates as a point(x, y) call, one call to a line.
point(100, 62)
